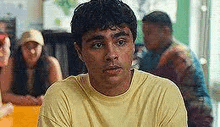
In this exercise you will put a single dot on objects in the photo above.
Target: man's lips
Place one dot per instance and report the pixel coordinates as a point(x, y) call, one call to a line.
point(112, 70)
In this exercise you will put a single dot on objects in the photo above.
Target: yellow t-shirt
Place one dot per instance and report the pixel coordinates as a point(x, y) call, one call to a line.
point(150, 101)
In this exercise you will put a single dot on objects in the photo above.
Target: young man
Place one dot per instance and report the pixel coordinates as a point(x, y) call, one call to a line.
point(168, 58)
point(110, 94)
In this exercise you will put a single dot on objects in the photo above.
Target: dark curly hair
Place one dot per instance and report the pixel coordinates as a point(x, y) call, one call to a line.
point(102, 14)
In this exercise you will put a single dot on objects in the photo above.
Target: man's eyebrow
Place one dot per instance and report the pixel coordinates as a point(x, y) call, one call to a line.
point(100, 37)
point(121, 33)
point(96, 37)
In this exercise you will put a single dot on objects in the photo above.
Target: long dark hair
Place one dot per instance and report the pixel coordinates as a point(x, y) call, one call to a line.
point(41, 72)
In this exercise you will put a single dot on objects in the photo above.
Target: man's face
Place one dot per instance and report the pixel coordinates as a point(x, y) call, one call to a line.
point(153, 36)
point(108, 54)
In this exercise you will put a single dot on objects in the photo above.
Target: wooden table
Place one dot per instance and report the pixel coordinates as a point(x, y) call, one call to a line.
point(23, 116)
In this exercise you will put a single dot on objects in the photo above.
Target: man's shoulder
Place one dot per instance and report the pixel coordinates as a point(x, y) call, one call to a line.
point(65, 92)
point(155, 86)
point(181, 46)
point(152, 80)
point(178, 49)
point(69, 85)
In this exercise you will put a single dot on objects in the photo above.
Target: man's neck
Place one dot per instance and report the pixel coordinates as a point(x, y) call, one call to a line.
point(113, 89)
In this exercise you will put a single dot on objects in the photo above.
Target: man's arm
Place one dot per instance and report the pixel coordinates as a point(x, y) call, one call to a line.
point(200, 81)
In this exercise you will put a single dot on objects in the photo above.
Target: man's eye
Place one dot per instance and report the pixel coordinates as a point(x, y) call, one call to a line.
point(121, 42)
point(97, 45)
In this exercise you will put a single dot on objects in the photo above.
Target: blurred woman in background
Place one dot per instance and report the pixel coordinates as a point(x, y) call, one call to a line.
point(30, 71)
point(4, 56)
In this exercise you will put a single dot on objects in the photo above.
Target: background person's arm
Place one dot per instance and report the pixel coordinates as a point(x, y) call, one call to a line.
point(6, 77)
point(6, 109)
point(199, 79)
point(55, 73)
point(27, 100)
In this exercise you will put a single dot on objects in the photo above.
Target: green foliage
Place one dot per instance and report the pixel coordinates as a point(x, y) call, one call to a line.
point(66, 5)
point(57, 21)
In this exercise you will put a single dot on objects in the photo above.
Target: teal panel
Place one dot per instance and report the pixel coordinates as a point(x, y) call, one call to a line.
point(181, 27)
point(139, 39)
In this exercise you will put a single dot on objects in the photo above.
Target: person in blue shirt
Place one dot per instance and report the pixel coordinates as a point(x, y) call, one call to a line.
point(169, 58)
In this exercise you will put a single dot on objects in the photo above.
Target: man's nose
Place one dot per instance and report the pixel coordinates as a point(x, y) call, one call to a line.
point(32, 51)
point(111, 53)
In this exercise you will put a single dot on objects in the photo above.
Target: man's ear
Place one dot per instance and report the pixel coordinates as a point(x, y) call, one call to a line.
point(78, 50)
point(166, 31)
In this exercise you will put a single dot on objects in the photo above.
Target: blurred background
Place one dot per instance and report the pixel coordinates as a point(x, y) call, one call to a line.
point(195, 23)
